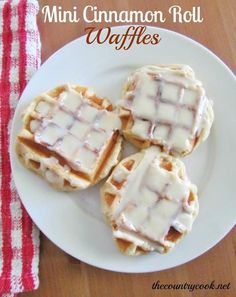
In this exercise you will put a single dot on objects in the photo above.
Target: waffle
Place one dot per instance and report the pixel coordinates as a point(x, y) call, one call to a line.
point(165, 106)
point(70, 137)
point(149, 202)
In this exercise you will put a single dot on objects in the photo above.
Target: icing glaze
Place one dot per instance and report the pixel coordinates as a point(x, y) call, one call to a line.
point(74, 129)
point(166, 106)
point(152, 200)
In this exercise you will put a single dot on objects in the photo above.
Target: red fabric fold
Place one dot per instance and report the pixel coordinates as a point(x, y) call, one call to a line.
point(19, 59)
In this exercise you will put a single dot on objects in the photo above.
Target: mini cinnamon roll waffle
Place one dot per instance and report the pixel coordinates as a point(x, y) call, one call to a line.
point(149, 202)
point(70, 137)
point(165, 106)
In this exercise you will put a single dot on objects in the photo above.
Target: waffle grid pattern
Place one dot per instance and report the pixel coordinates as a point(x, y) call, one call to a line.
point(167, 128)
point(75, 137)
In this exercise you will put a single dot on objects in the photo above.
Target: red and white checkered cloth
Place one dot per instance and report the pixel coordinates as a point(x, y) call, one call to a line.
point(19, 59)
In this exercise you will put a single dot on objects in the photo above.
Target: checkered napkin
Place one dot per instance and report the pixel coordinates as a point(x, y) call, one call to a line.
point(19, 58)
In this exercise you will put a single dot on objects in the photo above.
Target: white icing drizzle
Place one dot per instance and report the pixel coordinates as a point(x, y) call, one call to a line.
point(34, 124)
point(53, 178)
point(74, 129)
point(152, 201)
point(166, 106)
point(43, 108)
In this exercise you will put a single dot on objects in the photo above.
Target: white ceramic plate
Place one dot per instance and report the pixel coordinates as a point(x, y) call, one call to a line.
point(73, 221)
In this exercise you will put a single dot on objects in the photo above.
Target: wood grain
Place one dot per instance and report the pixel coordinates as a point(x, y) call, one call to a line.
point(63, 276)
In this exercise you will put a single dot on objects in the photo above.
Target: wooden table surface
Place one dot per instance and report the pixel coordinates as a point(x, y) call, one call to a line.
point(62, 276)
